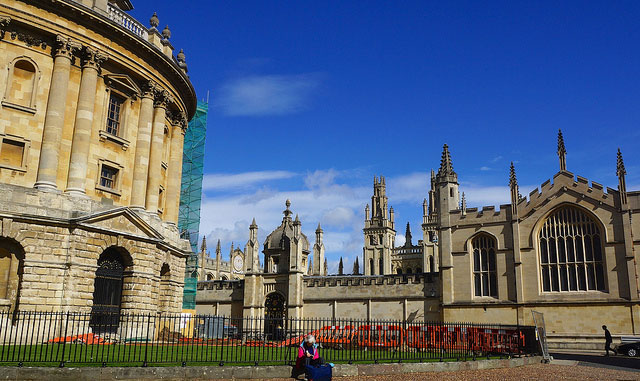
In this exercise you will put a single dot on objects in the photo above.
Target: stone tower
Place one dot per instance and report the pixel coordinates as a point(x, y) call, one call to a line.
point(379, 233)
point(447, 199)
point(318, 253)
point(252, 250)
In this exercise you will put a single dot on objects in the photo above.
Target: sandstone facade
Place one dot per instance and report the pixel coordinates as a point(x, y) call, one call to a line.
point(92, 119)
point(567, 250)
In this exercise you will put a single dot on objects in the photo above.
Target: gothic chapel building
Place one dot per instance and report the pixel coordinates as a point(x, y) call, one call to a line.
point(567, 250)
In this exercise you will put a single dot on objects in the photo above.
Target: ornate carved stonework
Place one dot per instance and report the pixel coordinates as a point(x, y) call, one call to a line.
point(162, 98)
point(149, 88)
point(4, 22)
point(93, 58)
point(66, 47)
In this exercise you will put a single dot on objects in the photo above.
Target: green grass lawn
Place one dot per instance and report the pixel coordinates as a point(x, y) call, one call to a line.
point(171, 355)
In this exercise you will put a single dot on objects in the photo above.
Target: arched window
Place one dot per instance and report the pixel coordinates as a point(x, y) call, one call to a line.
point(380, 266)
point(210, 276)
point(371, 269)
point(399, 270)
point(484, 266)
point(21, 85)
point(570, 249)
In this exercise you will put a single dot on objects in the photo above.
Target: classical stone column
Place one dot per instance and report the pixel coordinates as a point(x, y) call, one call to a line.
point(162, 99)
point(92, 59)
point(143, 145)
point(174, 175)
point(54, 116)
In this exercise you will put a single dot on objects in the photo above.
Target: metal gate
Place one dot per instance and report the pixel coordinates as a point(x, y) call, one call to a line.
point(107, 293)
point(274, 315)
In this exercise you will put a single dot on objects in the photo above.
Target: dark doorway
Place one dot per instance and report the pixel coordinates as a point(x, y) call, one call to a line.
point(107, 293)
point(274, 314)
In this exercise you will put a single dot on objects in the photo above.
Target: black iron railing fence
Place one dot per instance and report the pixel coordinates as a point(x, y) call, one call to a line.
point(58, 338)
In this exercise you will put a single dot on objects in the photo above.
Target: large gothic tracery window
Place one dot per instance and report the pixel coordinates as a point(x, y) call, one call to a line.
point(571, 252)
point(484, 266)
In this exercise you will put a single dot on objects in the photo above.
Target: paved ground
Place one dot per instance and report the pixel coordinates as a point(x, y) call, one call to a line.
point(541, 372)
point(596, 359)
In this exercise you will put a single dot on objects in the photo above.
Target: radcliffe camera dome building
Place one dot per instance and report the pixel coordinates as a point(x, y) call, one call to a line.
point(94, 107)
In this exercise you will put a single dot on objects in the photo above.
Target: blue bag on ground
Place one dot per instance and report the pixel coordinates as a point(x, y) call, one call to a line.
point(318, 373)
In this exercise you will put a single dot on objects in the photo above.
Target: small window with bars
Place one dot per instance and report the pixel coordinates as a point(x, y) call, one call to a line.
point(108, 177)
point(114, 114)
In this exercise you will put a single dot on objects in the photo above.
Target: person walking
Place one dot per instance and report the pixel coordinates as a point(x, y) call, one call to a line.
point(607, 341)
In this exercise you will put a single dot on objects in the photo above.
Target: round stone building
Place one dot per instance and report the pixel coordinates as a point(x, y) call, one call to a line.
point(94, 107)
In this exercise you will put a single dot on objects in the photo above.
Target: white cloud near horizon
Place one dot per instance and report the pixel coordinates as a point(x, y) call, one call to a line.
point(224, 181)
point(260, 95)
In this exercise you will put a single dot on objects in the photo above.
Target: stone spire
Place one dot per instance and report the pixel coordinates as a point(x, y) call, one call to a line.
point(622, 181)
point(340, 267)
point(515, 190)
point(218, 251)
point(446, 166)
point(203, 248)
point(356, 267)
point(310, 269)
point(326, 267)
point(407, 235)
point(562, 152)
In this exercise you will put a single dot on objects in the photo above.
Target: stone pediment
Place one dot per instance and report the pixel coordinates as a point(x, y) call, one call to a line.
point(122, 221)
point(123, 83)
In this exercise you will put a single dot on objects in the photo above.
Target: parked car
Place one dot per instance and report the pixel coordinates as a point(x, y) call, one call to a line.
point(630, 349)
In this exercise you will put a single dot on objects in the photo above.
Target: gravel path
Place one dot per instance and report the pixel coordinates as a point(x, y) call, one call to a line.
point(542, 372)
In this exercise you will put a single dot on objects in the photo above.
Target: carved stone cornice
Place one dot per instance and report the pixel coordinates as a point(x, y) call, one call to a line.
point(92, 58)
point(66, 47)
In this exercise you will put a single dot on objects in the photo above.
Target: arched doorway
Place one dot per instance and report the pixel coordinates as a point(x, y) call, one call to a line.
point(107, 291)
point(274, 315)
point(11, 270)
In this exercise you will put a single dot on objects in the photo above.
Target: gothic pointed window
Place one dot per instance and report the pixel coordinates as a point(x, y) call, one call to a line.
point(570, 250)
point(484, 266)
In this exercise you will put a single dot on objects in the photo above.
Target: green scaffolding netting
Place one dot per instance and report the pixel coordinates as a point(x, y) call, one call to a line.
point(191, 197)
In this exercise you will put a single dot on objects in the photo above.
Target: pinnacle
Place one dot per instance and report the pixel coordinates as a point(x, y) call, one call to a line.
point(218, 246)
point(446, 166)
point(561, 148)
point(253, 224)
point(513, 181)
point(319, 229)
point(620, 170)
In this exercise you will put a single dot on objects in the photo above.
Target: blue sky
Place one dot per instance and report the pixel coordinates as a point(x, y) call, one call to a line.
point(309, 100)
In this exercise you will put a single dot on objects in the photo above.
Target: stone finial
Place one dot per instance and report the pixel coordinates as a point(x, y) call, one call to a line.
point(562, 152)
point(182, 63)
point(319, 228)
point(204, 244)
point(513, 181)
point(356, 267)
point(253, 224)
point(326, 267)
point(407, 235)
point(620, 170)
point(287, 212)
point(166, 33)
point(218, 250)
point(446, 166)
point(463, 204)
point(340, 267)
point(154, 21)
point(296, 221)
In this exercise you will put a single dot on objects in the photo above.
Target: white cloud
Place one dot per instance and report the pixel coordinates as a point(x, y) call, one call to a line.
point(266, 95)
point(223, 181)
point(485, 168)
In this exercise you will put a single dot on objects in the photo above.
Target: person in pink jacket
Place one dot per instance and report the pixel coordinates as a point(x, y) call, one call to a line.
point(308, 353)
